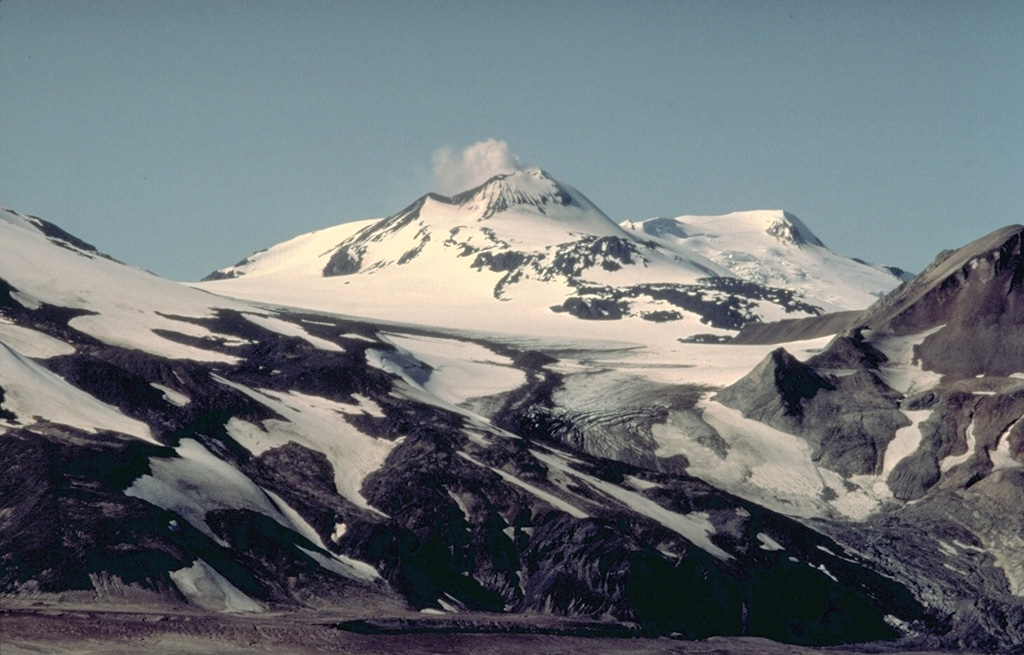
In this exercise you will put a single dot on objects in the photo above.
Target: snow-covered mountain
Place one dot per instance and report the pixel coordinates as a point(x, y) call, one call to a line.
point(164, 447)
point(774, 249)
point(526, 253)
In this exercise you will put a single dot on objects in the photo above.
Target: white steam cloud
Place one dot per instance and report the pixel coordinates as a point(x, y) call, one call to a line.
point(473, 166)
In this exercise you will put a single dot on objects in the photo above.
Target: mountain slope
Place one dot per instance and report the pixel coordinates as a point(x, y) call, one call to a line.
point(972, 301)
point(229, 458)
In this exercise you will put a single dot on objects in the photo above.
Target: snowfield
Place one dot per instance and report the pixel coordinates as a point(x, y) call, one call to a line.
point(34, 396)
point(121, 306)
point(503, 401)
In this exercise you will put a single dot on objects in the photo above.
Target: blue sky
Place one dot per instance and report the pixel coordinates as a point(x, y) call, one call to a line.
point(182, 136)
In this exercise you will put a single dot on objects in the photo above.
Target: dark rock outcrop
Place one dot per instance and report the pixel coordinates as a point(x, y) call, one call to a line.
point(848, 351)
point(848, 420)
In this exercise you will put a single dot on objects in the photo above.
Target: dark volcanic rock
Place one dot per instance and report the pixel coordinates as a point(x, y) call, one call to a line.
point(848, 420)
point(774, 391)
point(592, 309)
point(502, 262)
point(849, 351)
point(977, 295)
point(344, 261)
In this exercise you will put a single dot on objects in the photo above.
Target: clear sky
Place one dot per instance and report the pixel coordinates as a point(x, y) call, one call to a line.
point(181, 136)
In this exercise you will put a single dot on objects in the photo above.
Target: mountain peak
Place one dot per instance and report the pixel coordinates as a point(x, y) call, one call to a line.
point(528, 188)
point(780, 225)
point(789, 227)
point(777, 223)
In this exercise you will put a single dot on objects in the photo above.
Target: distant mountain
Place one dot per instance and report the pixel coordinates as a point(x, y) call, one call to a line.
point(524, 252)
point(774, 248)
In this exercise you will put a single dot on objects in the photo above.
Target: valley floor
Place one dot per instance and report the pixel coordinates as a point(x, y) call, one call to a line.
point(64, 631)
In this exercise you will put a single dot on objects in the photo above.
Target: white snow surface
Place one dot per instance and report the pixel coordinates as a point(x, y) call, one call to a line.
point(128, 304)
point(906, 441)
point(461, 369)
point(773, 248)
point(343, 565)
point(414, 267)
point(197, 481)
point(768, 466)
point(292, 330)
point(950, 461)
point(1001, 456)
point(903, 372)
point(413, 374)
point(170, 395)
point(202, 585)
point(32, 343)
point(549, 498)
point(34, 395)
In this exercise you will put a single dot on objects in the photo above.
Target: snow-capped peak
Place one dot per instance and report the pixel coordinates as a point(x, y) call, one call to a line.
point(787, 227)
point(775, 248)
point(529, 188)
point(776, 223)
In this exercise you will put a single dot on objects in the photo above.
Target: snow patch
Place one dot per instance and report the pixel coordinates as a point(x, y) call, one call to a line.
point(356, 337)
point(26, 301)
point(344, 566)
point(170, 395)
point(32, 343)
point(903, 371)
point(461, 505)
point(460, 370)
point(905, 442)
point(950, 461)
point(824, 569)
point(318, 424)
point(292, 330)
point(640, 484)
point(769, 466)
point(695, 527)
point(202, 585)
point(35, 395)
point(1001, 456)
point(197, 482)
point(547, 497)
point(767, 543)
